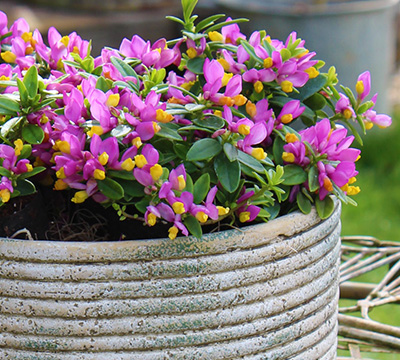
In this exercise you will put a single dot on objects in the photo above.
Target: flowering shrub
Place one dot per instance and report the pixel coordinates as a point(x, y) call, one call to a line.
point(210, 127)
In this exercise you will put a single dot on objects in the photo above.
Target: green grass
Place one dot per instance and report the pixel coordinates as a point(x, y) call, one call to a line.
point(378, 210)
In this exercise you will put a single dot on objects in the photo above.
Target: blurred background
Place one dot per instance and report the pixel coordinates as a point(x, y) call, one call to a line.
point(355, 35)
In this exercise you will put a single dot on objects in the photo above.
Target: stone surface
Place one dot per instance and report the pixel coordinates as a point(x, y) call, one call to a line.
point(268, 291)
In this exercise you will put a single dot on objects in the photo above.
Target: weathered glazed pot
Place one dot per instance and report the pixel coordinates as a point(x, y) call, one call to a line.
point(267, 291)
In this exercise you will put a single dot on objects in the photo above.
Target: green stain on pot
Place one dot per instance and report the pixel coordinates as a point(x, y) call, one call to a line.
point(41, 345)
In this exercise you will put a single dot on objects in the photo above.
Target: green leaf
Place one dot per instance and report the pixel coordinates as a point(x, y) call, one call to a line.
point(316, 102)
point(123, 67)
point(277, 150)
point(168, 133)
point(5, 172)
point(208, 22)
point(102, 84)
point(25, 187)
point(303, 203)
point(187, 8)
point(121, 174)
point(313, 183)
point(142, 205)
point(324, 207)
point(31, 82)
point(176, 19)
point(23, 92)
point(195, 65)
point(211, 122)
point(250, 161)
point(201, 188)
point(189, 182)
point(36, 170)
point(8, 106)
point(33, 134)
point(294, 175)
point(193, 226)
point(204, 149)
point(131, 188)
point(110, 188)
point(228, 172)
point(231, 152)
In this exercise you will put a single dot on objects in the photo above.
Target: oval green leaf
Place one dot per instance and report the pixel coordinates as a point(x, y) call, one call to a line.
point(228, 172)
point(33, 134)
point(250, 161)
point(325, 207)
point(204, 149)
point(110, 188)
point(294, 175)
point(201, 188)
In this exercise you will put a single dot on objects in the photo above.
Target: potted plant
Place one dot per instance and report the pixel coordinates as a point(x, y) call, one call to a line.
point(229, 155)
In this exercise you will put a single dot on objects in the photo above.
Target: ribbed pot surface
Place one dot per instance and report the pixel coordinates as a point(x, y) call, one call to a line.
point(267, 291)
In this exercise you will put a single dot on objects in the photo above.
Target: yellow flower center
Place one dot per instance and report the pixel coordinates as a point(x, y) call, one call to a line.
point(140, 161)
point(191, 52)
point(163, 117)
point(268, 63)
point(98, 130)
point(151, 219)
point(288, 157)
point(287, 118)
point(244, 129)
point(259, 153)
point(80, 197)
point(181, 182)
point(137, 141)
point(360, 87)
point(291, 138)
point(368, 125)
point(65, 40)
point(201, 217)
point(156, 127)
point(287, 86)
point(156, 171)
point(178, 207)
point(172, 232)
point(244, 216)
point(99, 174)
point(258, 86)
point(347, 113)
point(128, 164)
point(215, 36)
point(239, 100)
point(251, 109)
point(8, 57)
point(226, 78)
point(63, 146)
point(60, 173)
point(224, 64)
point(18, 146)
point(103, 158)
point(60, 185)
point(312, 72)
point(5, 195)
point(113, 100)
point(222, 210)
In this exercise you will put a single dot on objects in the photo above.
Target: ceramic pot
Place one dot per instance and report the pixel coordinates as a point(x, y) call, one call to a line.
point(267, 291)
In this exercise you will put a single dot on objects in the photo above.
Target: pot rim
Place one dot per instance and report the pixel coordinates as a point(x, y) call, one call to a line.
point(220, 242)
